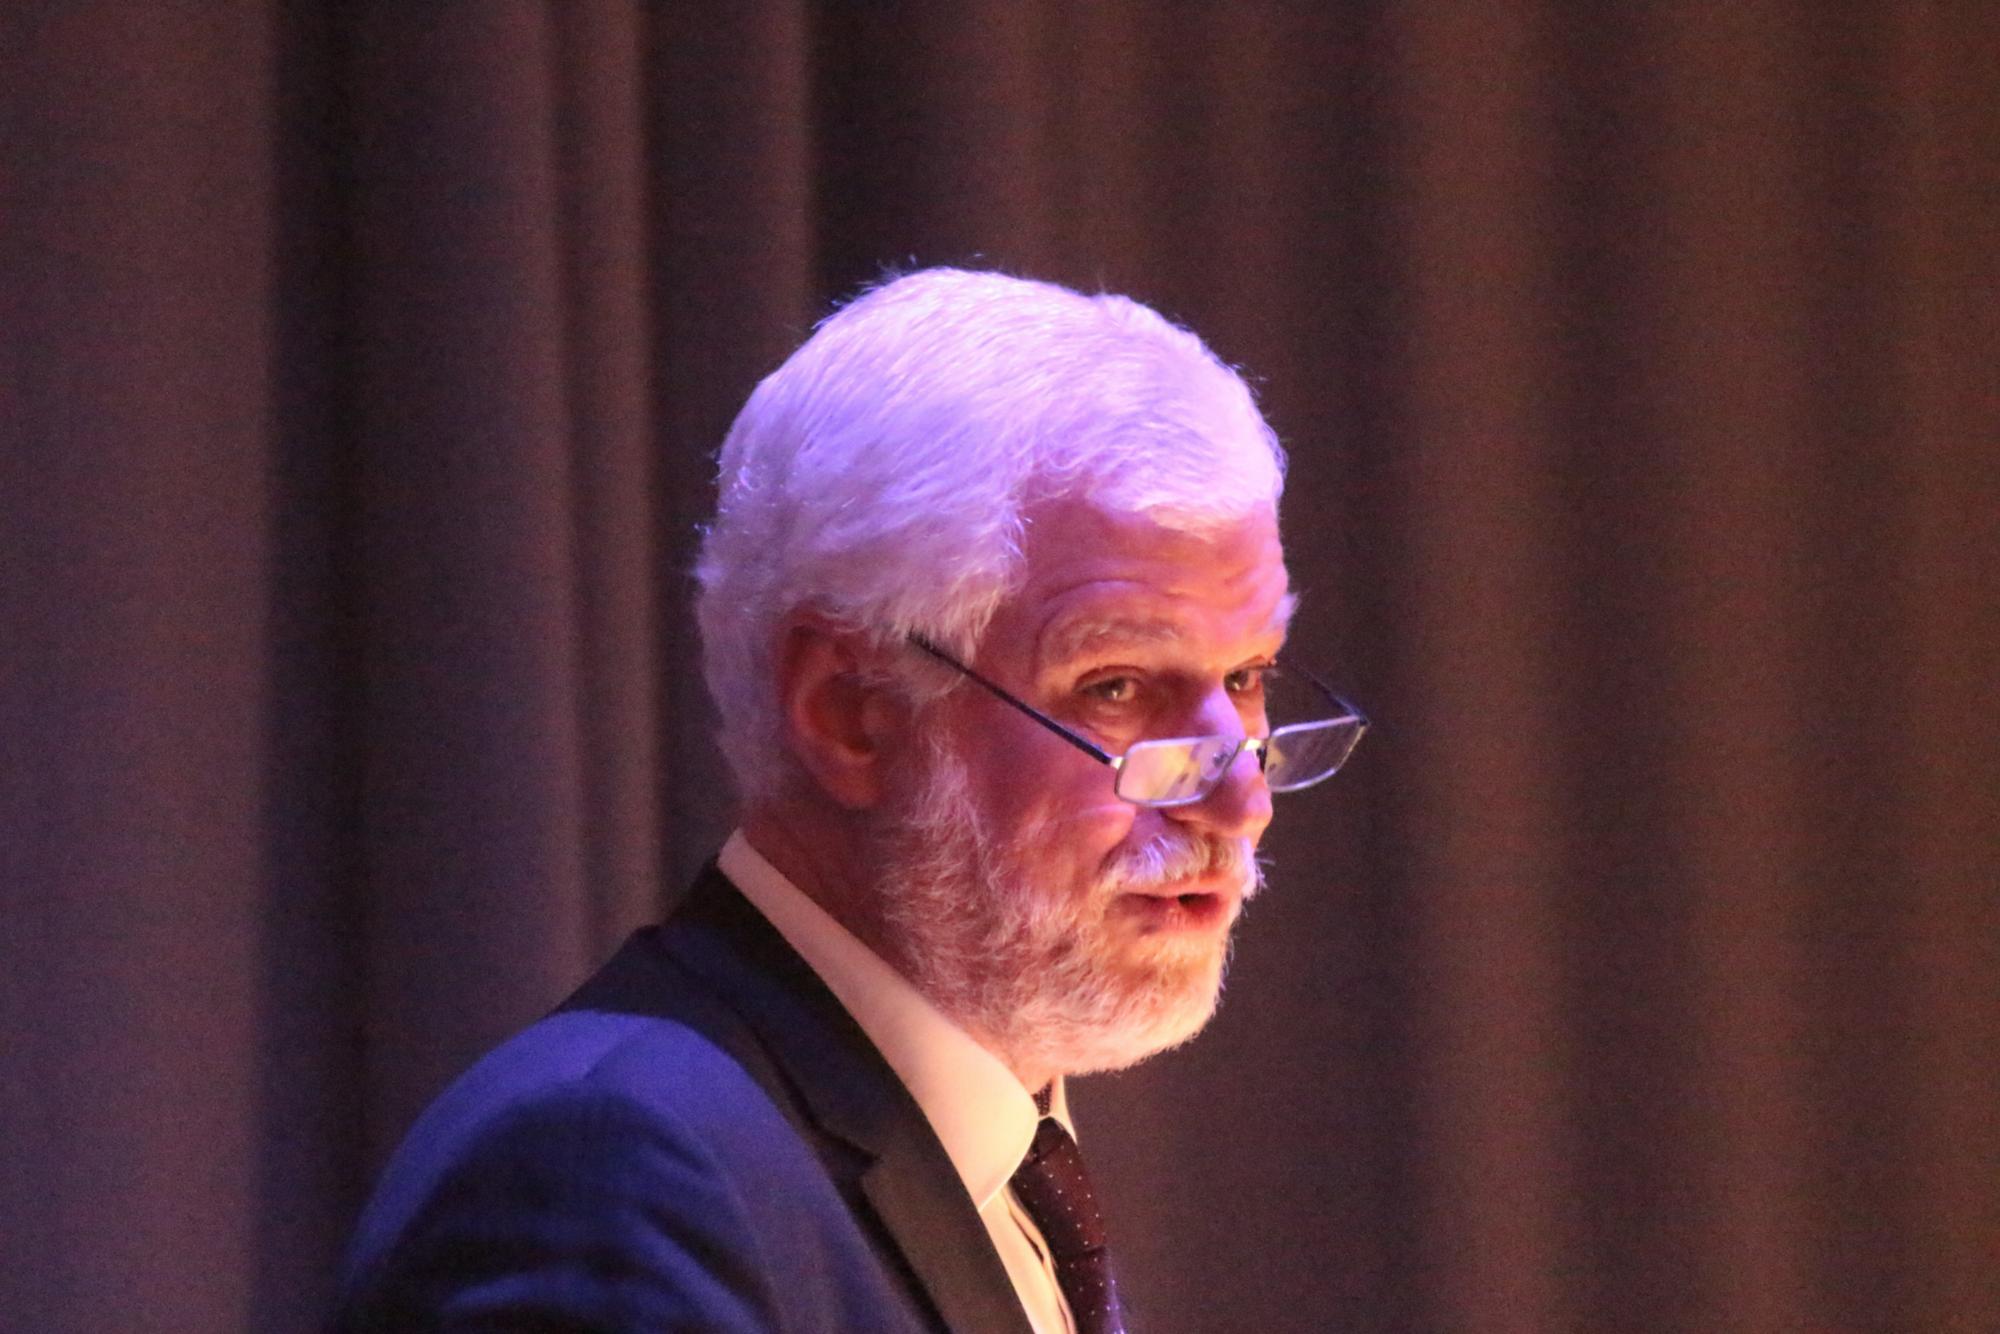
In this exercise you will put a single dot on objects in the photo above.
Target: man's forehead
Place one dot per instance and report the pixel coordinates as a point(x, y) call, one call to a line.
point(1093, 576)
point(1094, 629)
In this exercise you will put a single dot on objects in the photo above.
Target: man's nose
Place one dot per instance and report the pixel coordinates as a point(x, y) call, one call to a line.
point(1238, 807)
point(1240, 804)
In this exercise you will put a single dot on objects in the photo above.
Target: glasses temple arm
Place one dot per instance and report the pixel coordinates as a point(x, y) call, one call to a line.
point(1026, 709)
point(1333, 696)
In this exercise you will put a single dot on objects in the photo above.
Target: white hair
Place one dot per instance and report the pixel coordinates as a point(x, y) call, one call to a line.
point(879, 477)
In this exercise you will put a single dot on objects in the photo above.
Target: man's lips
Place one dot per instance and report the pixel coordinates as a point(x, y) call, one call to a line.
point(1196, 906)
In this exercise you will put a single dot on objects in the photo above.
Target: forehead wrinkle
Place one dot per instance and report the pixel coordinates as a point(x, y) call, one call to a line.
point(1074, 638)
point(1068, 640)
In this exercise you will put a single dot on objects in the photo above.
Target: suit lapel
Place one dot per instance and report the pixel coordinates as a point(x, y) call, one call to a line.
point(944, 1241)
point(812, 1055)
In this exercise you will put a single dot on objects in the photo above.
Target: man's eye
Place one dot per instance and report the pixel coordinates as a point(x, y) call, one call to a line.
point(1111, 690)
point(1245, 680)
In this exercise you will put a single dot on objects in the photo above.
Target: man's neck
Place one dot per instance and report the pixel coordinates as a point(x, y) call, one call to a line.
point(825, 857)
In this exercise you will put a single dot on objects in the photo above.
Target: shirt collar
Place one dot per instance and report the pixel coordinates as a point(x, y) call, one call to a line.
point(981, 1114)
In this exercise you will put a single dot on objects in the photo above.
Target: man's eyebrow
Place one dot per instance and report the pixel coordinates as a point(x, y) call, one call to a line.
point(1281, 619)
point(1069, 640)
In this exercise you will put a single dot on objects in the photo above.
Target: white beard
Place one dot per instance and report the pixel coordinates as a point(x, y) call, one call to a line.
point(1030, 969)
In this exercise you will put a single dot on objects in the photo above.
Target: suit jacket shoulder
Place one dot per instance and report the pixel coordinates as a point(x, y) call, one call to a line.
point(700, 1138)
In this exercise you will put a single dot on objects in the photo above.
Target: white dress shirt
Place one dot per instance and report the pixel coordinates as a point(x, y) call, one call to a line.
point(983, 1117)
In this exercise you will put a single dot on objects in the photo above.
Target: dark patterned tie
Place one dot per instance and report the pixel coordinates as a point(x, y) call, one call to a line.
point(1052, 1187)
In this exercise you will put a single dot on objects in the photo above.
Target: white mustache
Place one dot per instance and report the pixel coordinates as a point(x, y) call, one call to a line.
point(1169, 859)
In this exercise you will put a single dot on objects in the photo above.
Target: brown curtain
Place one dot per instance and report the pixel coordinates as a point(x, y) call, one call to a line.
point(363, 364)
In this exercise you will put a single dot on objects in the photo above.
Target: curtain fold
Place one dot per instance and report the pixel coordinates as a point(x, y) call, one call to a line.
point(364, 367)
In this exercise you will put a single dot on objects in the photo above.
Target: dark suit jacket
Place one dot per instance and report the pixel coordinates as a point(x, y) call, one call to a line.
point(700, 1139)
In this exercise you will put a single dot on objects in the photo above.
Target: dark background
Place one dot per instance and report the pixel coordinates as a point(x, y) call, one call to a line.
point(363, 367)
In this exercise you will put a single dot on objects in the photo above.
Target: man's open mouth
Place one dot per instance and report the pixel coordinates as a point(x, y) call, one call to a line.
point(1189, 910)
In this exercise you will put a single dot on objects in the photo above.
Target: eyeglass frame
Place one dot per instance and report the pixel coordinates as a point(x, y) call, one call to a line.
point(1256, 745)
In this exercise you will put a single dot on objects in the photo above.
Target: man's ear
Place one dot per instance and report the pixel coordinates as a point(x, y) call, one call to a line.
point(841, 725)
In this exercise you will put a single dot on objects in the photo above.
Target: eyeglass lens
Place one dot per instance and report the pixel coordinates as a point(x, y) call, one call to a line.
point(1173, 772)
point(1304, 753)
point(1167, 772)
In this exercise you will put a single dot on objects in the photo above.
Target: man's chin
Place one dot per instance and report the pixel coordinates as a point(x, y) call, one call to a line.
point(1164, 1003)
point(1120, 1050)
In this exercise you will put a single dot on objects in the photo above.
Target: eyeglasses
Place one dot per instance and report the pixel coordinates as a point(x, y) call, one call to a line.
point(1179, 771)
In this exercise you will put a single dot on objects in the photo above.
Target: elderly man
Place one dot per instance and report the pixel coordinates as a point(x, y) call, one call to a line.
point(991, 610)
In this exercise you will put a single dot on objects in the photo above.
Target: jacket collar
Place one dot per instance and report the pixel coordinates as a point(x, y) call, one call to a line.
point(827, 1071)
